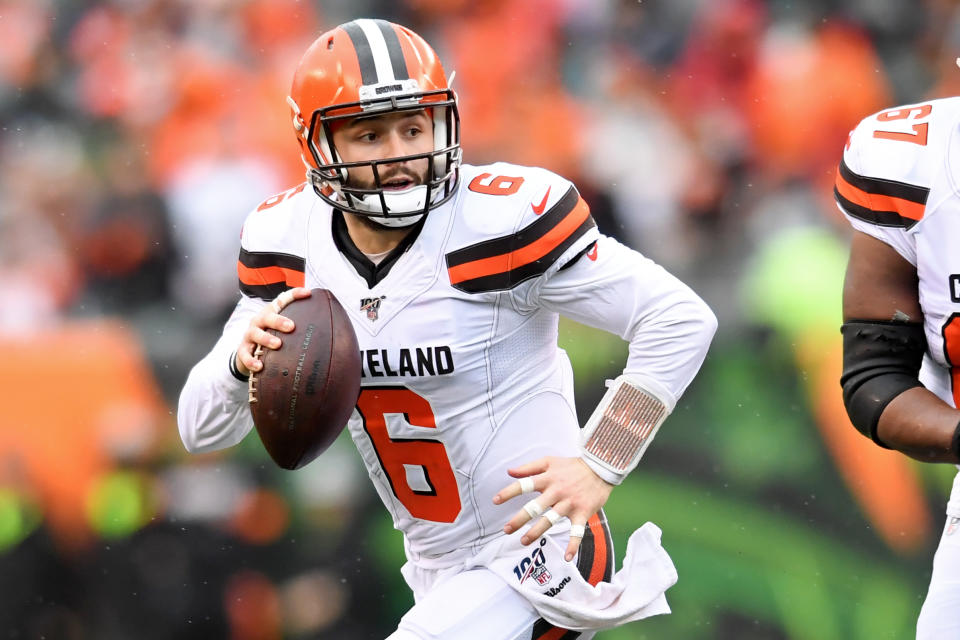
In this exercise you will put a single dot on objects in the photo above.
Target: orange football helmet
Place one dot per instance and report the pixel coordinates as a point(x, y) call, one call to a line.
point(368, 67)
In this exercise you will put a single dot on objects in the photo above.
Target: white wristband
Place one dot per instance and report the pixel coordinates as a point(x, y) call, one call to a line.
point(622, 427)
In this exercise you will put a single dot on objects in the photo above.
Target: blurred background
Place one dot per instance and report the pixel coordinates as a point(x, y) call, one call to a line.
point(135, 135)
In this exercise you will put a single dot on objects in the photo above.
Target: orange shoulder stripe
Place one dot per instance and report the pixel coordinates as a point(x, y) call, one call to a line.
point(879, 202)
point(524, 255)
point(269, 275)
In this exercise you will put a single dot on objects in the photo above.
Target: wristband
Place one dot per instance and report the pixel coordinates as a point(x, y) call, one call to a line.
point(236, 372)
point(621, 428)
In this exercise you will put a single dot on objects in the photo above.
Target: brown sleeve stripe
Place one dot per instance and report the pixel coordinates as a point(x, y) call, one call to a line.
point(883, 202)
point(596, 562)
point(543, 630)
point(266, 275)
point(505, 262)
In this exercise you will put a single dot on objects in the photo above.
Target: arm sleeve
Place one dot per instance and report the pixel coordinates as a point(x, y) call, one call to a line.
point(612, 287)
point(212, 412)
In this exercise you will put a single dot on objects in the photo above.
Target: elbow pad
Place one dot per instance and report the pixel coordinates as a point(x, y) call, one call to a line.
point(881, 360)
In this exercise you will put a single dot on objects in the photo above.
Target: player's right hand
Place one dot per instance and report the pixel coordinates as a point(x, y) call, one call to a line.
point(256, 334)
point(568, 488)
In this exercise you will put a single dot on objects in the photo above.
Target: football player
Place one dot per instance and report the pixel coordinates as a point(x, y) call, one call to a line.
point(453, 276)
point(897, 185)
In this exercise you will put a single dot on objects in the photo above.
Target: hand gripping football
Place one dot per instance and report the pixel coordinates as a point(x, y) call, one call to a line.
point(303, 396)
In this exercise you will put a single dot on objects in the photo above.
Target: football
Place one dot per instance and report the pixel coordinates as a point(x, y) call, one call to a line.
point(303, 396)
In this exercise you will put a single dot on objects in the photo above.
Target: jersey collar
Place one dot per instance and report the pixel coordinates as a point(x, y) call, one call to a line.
point(372, 273)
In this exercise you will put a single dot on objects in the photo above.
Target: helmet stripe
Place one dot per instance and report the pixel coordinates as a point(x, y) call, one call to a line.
point(378, 49)
point(394, 49)
point(368, 67)
point(381, 58)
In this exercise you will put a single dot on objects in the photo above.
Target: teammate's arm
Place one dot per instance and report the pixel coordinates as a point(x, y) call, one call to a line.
point(881, 287)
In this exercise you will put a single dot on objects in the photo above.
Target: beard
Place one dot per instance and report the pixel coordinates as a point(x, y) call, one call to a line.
point(398, 180)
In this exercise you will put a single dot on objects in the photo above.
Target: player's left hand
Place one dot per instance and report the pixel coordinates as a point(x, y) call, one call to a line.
point(567, 487)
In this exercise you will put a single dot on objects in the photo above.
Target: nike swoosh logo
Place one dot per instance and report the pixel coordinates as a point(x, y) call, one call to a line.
point(538, 208)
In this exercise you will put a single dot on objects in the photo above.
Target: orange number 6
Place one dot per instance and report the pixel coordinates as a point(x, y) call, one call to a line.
point(280, 197)
point(497, 186)
point(441, 503)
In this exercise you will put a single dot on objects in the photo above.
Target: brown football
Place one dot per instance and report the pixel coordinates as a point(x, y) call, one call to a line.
point(303, 397)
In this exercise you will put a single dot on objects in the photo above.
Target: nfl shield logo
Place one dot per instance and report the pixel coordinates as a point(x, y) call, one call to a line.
point(541, 575)
point(372, 307)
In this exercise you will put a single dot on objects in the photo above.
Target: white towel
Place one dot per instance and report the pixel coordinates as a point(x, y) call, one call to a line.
point(555, 588)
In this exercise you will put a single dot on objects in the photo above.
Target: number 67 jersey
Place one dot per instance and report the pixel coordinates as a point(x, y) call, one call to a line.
point(462, 376)
point(898, 182)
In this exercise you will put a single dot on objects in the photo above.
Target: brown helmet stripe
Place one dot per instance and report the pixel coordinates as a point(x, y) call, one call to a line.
point(368, 67)
point(378, 51)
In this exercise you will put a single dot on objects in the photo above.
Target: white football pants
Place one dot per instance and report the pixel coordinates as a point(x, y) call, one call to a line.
point(478, 605)
point(940, 615)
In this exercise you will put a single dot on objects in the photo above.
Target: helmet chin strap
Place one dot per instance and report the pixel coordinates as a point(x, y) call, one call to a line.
point(396, 223)
point(412, 199)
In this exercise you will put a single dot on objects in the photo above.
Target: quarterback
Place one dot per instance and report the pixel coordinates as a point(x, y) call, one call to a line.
point(897, 185)
point(454, 276)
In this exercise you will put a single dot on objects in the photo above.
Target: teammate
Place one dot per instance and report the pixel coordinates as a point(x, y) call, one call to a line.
point(897, 184)
point(454, 276)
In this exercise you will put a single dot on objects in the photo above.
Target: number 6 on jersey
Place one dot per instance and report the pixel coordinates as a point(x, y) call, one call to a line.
point(439, 503)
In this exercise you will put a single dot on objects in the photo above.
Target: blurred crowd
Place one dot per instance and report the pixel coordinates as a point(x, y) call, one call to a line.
point(137, 134)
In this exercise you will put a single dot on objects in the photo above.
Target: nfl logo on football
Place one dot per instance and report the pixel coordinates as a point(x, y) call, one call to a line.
point(372, 307)
point(541, 575)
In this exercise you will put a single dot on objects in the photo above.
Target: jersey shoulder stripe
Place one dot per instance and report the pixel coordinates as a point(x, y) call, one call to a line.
point(503, 263)
point(272, 244)
point(879, 201)
point(267, 274)
point(892, 160)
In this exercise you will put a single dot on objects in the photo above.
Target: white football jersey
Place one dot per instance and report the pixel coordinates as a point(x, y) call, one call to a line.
point(898, 183)
point(462, 376)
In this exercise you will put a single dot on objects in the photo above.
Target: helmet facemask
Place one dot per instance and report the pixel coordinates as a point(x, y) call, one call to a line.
point(390, 208)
